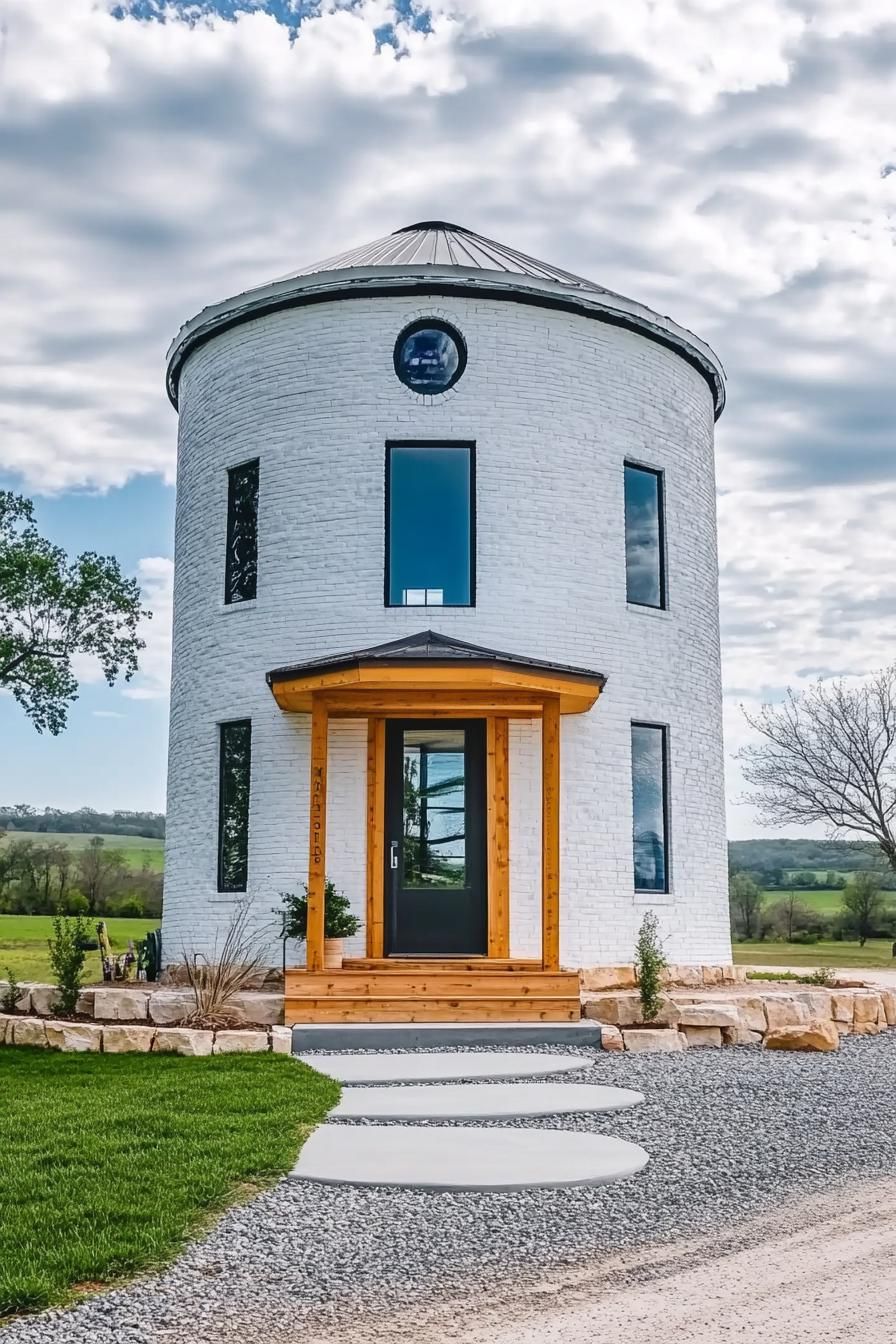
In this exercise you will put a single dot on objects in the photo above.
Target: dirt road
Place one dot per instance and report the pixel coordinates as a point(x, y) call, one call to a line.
point(822, 1271)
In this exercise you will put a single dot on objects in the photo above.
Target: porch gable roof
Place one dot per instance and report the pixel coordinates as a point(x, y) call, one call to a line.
point(436, 662)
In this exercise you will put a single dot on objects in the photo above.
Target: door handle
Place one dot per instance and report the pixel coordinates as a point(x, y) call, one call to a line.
point(393, 854)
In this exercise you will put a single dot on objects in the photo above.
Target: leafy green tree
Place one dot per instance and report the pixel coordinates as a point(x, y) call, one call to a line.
point(863, 905)
point(745, 899)
point(52, 609)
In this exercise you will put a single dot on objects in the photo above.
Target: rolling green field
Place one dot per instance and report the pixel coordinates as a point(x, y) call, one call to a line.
point(825, 902)
point(23, 945)
point(108, 1162)
point(137, 850)
point(876, 952)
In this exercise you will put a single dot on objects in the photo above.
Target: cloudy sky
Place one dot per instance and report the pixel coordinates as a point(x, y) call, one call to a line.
point(729, 162)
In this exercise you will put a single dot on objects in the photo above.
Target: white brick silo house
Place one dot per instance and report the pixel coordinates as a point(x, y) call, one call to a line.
point(446, 535)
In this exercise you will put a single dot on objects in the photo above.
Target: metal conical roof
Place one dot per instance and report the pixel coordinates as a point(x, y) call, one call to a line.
point(434, 258)
point(433, 242)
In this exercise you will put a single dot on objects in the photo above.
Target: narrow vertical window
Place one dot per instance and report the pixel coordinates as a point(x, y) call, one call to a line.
point(241, 568)
point(650, 807)
point(645, 570)
point(429, 525)
point(235, 749)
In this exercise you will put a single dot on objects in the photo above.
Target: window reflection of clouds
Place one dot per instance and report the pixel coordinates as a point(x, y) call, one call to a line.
point(643, 538)
point(648, 802)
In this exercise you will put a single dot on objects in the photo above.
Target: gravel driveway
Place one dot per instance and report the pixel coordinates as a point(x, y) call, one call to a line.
point(731, 1133)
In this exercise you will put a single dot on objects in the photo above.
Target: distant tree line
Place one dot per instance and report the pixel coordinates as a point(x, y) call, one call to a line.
point(42, 879)
point(759, 915)
point(82, 821)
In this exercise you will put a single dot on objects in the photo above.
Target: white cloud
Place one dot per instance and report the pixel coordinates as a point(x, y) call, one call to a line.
point(156, 577)
point(721, 160)
point(107, 714)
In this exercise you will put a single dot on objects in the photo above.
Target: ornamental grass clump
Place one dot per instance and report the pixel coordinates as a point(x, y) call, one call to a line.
point(217, 980)
point(650, 964)
point(67, 957)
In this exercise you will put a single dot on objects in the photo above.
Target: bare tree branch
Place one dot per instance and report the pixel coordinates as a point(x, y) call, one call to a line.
point(828, 755)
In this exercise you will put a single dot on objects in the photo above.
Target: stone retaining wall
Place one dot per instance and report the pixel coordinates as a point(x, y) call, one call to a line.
point(144, 1003)
point(116, 1039)
point(742, 1014)
point(596, 978)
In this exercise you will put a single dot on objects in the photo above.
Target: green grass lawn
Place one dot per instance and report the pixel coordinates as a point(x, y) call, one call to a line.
point(23, 944)
point(108, 1162)
point(135, 849)
point(876, 952)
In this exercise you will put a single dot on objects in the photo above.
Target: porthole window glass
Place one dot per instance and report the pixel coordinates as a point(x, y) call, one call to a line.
point(430, 356)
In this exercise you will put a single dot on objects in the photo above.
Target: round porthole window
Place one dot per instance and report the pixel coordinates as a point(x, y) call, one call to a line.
point(430, 356)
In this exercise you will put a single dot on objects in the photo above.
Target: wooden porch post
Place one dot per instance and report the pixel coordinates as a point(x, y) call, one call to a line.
point(376, 820)
point(317, 844)
point(498, 771)
point(550, 835)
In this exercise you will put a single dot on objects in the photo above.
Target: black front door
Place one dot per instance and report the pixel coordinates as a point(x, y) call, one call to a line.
point(436, 870)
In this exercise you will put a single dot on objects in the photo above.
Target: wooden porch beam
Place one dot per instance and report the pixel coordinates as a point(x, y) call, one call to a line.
point(317, 842)
point(550, 835)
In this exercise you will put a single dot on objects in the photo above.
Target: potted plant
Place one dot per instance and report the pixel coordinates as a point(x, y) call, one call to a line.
point(339, 922)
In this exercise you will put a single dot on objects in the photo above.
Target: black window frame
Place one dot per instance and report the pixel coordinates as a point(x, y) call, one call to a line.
point(223, 886)
point(665, 889)
point(430, 324)
point(229, 599)
point(660, 475)
point(469, 445)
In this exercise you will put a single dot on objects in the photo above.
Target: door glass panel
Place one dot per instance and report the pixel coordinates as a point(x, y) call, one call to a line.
point(434, 808)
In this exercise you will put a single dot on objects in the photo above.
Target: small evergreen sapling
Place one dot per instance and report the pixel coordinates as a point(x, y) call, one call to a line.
point(650, 963)
point(339, 922)
point(67, 956)
point(11, 994)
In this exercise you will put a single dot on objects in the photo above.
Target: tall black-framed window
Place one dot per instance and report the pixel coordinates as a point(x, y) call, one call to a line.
point(430, 525)
point(234, 777)
point(650, 806)
point(645, 561)
point(241, 564)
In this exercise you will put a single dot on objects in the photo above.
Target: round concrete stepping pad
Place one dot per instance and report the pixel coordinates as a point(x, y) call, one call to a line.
point(480, 1101)
point(423, 1068)
point(438, 1157)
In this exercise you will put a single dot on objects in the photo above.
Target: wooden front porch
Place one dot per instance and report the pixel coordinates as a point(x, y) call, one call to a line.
point(493, 987)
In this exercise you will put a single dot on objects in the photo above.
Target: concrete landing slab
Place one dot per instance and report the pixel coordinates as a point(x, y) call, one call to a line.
point(425, 1068)
point(481, 1101)
point(433, 1035)
point(441, 1158)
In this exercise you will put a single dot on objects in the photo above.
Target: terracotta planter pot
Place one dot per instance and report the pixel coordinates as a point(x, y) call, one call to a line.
point(333, 954)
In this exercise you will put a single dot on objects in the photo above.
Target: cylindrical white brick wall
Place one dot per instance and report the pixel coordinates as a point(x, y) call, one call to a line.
point(556, 402)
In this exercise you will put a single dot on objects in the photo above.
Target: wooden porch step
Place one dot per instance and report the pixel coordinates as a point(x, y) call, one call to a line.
point(410, 1009)
point(429, 983)
point(457, 964)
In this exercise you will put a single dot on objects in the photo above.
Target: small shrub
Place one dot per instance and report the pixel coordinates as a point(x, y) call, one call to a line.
point(76, 903)
point(824, 976)
point(11, 994)
point(129, 907)
point(67, 956)
point(339, 922)
point(650, 963)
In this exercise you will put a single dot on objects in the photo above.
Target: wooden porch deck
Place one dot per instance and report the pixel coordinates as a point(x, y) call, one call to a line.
point(373, 990)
